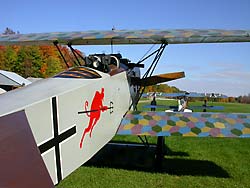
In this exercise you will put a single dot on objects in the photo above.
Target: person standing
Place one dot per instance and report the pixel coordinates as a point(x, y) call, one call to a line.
point(153, 102)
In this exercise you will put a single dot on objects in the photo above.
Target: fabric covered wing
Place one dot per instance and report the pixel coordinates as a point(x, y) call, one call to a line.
point(185, 124)
point(174, 36)
point(191, 94)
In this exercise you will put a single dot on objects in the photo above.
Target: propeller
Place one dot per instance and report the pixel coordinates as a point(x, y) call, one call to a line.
point(152, 80)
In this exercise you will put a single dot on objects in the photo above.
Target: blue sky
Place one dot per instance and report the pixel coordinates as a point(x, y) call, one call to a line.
point(223, 68)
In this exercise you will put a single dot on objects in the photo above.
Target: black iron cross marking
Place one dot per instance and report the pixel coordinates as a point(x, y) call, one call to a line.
point(54, 142)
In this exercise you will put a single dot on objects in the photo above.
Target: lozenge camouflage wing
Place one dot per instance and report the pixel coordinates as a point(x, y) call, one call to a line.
point(154, 36)
point(185, 124)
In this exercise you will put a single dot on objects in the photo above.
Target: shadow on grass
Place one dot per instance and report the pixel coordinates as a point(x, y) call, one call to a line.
point(140, 158)
point(167, 150)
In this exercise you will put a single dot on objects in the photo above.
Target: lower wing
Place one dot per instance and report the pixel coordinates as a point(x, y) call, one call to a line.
point(185, 124)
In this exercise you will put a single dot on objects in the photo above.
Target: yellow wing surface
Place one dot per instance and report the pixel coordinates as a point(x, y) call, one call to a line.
point(185, 124)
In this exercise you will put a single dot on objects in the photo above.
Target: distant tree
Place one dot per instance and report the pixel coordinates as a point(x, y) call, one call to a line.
point(175, 89)
point(34, 61)
point(51, 61)
point(10, 58)
point(48, 51)
point(224, 99)
point(2, 57)
point(161, 88)
point(9, 31)
point(23, 62)
point(231, 99)
point(245, 99)
point(239, 99)
point(54, 66)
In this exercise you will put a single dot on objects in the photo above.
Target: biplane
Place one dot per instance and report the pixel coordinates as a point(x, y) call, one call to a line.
point(2, 91)
point(10, 80)
point(182, 99)
point(53, 126)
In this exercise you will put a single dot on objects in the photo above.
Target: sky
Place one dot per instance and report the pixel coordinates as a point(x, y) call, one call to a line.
point(218, 68)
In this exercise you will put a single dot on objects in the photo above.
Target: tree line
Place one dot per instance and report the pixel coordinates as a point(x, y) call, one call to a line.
point(34, 61)
point(244, 99)
point(164, 88)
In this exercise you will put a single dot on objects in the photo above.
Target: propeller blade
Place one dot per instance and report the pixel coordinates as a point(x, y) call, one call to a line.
point(152, 80)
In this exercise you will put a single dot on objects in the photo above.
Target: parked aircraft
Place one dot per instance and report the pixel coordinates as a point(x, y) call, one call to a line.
point(52, 127)
point(182, 99)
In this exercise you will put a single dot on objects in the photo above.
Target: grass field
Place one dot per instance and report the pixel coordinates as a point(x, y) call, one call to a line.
point(189, 162)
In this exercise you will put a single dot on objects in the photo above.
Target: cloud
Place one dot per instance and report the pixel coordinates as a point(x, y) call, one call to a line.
point(226, 87)
point(232, 79)
point(227, 74)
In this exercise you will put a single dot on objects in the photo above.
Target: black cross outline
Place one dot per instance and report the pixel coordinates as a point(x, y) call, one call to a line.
point(54, 142)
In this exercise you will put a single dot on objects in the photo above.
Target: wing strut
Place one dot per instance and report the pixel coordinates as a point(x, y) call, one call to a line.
point(159, 155)
point(75, 53)
point(151, 68)
point(145, 143)
point(56, 45)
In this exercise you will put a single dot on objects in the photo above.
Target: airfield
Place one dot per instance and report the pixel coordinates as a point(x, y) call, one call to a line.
point(188, 162)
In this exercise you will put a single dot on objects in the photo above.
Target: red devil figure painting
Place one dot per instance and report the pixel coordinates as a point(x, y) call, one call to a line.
point(94, 113)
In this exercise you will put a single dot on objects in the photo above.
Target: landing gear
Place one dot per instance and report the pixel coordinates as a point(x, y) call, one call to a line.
point(159, 154)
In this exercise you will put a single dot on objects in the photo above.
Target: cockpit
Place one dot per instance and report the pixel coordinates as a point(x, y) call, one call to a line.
point(106, 62)
point(79, 72)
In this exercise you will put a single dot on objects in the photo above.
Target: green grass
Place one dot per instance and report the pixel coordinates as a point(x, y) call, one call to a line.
point(190, 162)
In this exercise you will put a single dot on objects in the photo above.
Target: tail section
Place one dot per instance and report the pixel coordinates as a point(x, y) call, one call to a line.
point(20, 159)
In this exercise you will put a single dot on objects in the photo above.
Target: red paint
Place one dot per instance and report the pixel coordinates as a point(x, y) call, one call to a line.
point(95, 113)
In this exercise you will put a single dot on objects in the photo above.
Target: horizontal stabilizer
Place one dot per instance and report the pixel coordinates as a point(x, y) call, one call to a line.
point(12, 79)
point(207, 107)
point(194, 94)
point(191, 94)
point(159, 106)
point(160, 78)
point(185, 124)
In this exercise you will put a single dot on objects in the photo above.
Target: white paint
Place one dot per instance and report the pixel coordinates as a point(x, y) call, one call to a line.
point(13, 79)
point(115, 89)
point(40, 119)
point(2, 91)
point(71, 95)
point(50, 163)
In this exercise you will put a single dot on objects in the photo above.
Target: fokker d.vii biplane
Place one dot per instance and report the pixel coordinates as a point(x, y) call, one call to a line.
point(51, 127)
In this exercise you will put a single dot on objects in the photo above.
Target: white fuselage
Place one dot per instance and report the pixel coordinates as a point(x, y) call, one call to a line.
point(63, 99)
